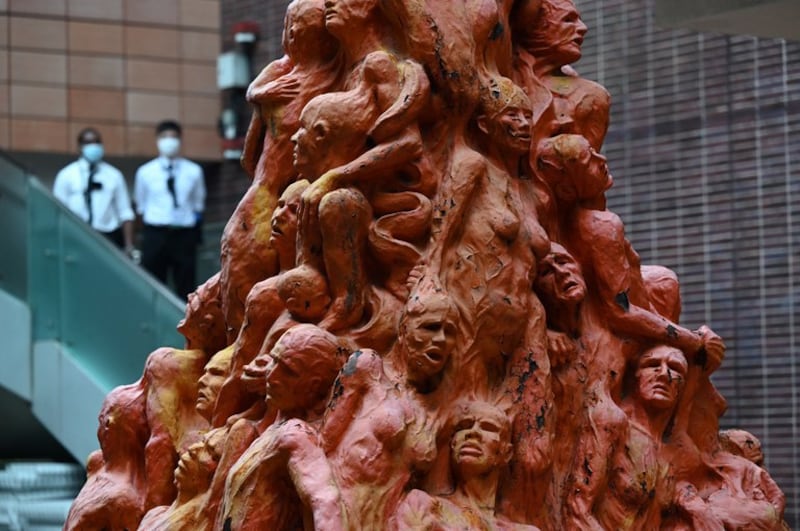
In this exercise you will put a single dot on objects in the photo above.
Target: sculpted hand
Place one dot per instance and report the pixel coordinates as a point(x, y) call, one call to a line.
point(714, 348)
point(560, 347)
point(309, 206)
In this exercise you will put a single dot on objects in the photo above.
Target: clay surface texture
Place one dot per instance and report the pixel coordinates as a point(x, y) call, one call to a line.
point(426, 317)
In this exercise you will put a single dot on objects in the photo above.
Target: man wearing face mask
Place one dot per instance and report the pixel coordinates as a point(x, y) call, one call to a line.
point(170, 195)
point(96, 192)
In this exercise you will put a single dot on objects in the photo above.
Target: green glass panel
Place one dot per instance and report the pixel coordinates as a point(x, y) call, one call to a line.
point(13, 230)
point(107, 311)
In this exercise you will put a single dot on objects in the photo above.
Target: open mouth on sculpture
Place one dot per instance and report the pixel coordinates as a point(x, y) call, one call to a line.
point(434, 355)
point(470, 450)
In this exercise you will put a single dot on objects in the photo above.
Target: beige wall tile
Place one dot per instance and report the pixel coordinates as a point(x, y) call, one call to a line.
point(145, 108)
point(38, 33)
point(201, 143)
point(113, 135)
point(200, 13)
point(50, 102)
point(96, 104)
point(199, 78)
point(27, 67)
point(39, 7)
point(99, 9)
point(200, 110)
point(3, 5)
point(39, 135)
point(141, 140)
point(96, 71)
point(151, 42)
point(201, 46)
point(97, 37)
point(152, 11)
point(153, 75)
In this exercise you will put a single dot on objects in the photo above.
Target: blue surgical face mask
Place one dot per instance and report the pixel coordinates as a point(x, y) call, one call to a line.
point(92, 152)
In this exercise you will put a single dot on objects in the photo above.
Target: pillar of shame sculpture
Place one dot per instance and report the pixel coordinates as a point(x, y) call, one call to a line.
point(426, 317)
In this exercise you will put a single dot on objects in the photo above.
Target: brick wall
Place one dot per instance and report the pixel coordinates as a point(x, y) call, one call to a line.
point(119, 65)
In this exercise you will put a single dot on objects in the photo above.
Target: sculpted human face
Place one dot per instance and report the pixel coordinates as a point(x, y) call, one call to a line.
point(342, 15)
point(429, 338)
point(596, 179)
point(560, 280)
point(196, 467)
point(214, 374)
point(305, 145)
point(254, 374)
point(660, 376)
point(284, 377)
point(562, 31)
point(283, 225)
point(514, 128)
point(480, 442)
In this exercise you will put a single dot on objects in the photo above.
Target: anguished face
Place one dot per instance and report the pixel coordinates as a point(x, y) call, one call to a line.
point(428, 337)
point(660, 376)
point(559, 280)
point(481, 441)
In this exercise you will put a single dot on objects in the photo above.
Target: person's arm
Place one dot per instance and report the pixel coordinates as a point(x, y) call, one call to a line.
point(140, 192)
point(61, 187)
point(199, 193)
point(122, 203)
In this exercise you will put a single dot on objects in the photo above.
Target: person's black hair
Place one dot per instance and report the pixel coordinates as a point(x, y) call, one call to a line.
point(87, 130)
point(169, 125)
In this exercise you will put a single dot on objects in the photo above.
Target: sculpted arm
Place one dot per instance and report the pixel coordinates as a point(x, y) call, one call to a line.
point(348, 392)
point(312, 476)
point(604, 238)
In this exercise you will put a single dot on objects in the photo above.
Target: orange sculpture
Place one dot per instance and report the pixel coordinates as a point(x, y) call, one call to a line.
point(426, 316)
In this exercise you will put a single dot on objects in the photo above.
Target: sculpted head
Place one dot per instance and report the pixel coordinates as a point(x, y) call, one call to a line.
point(427, 335)
point(742, 443)
point(333, 131)
point(203, 324)
point(214, 375)
point(196, 467)
point(481, 441)
point(505, 115)
point(304, 291)
point(304, 30)
point(572, 168)
point(557, 35)
point(348, 15)
point(660, 377)
point(299, 370)
point(283, 224)
point(559, 282)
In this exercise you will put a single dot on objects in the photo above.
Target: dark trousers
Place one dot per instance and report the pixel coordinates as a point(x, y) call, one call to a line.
point(116, 237)
point(168, 249)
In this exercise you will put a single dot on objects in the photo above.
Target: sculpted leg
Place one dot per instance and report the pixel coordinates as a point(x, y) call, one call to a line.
point(344, 217)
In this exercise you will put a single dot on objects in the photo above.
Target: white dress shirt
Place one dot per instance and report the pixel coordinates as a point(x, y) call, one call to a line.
point(155, 202)
point(111, 205)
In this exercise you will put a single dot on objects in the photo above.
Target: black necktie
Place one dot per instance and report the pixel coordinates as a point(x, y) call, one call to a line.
point(91, 186)
point(171, 185)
